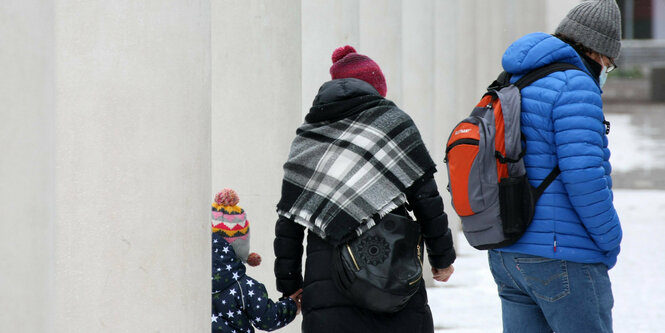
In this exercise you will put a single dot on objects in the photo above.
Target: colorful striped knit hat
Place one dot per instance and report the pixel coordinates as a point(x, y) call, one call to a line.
point(231, 220)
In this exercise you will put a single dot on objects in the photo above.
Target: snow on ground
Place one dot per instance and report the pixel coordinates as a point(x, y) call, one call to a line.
point(633, 145)
point(469, 303)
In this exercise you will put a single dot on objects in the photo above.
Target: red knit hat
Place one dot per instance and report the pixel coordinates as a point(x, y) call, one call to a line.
point(347, 63)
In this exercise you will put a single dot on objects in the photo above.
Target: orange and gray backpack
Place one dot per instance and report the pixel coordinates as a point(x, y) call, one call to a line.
point(487, 178)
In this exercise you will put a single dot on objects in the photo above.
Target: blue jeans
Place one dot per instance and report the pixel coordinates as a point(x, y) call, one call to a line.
point(544, 295)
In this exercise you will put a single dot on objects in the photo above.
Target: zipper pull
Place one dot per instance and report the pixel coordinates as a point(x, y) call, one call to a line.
point(554, 243)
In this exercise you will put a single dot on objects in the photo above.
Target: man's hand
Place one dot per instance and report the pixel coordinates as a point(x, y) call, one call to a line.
point(443, 274)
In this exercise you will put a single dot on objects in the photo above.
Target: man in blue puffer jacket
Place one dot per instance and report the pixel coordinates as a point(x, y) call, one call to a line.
point(555, 278)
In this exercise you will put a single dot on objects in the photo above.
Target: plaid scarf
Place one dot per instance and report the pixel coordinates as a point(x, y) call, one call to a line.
point(344, 174)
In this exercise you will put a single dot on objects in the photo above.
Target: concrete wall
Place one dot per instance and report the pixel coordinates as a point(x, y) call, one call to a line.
point(658, 19)
point(132, 166)
point(256, 107)
point(26, 166)
point(106, 166)
point(121, 119)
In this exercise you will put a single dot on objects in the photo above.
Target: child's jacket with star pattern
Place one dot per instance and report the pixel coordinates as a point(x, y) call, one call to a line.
point(240, 303)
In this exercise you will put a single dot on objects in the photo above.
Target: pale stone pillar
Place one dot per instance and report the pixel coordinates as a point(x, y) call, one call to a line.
point(380, 31)
point(447, 111)
point(26, 166)
point(326, 25)
point(417, 66)
point(658, 19)
point(256, 103)
point(132, 144)
point(556, 10)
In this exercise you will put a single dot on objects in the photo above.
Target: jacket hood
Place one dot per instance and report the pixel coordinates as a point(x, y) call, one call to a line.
point(227, 268)
point(537, 50)
point(341, 89)
point(342, 98)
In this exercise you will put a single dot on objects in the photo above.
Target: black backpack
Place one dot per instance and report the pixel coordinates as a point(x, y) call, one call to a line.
point(381, 269)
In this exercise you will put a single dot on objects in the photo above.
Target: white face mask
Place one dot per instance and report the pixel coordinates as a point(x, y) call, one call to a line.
point(603, 74)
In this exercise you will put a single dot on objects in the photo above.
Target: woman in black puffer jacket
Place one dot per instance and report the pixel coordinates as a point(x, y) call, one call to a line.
point(356, 157)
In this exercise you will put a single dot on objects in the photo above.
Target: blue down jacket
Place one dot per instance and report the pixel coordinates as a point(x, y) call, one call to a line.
point(562, 119)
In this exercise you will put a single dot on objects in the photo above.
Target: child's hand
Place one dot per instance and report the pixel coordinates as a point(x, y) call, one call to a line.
point(297, 297)
point(254, 259)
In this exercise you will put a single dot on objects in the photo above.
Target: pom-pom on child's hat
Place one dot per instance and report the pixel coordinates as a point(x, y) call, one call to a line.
point(347, 63)
point(231, 220)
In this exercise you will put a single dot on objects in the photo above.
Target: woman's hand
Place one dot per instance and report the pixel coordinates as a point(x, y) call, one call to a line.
point(443, 274)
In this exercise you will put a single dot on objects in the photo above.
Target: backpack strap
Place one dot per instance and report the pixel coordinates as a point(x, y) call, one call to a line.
point(541, 72)
point(525, 81)
point(548, 180)
point(503, 80)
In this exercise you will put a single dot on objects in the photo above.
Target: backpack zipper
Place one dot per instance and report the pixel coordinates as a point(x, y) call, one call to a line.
point(420, 260)
point(348, 248)
point(467, 141)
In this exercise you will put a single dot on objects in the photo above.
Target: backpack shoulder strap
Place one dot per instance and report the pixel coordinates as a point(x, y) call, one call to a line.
point(525, 81)
point(502, 81)
point(546, 182)
point(541, 72)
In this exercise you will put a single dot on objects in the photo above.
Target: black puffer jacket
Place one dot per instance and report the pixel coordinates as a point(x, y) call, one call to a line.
point(324, 308)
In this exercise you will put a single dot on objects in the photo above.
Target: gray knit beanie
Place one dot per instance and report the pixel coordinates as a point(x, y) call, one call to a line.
point(596, 25)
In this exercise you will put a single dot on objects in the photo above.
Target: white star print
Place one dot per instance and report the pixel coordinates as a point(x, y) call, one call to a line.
point(236, 276)
point(250, 293)
point(228, 267)
point(225, 249)
point(214, 318)
point(259, 299)
point(230, 314)
point(258, 319)
point(218, 269)
point(223, 301)
point(250, 283)
point(214, 241)
point(232, 292)
point(239, 312)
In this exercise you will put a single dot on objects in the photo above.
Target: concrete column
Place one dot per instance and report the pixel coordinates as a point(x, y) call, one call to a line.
point(418, 64)
point(256, 103)
point(489, 43)
point(446, 108)
point(467, 88)
point(132, 234)
point(380, 30)
point(658, 19)
point(26, 171)
point(556, 10)
point(326, 25)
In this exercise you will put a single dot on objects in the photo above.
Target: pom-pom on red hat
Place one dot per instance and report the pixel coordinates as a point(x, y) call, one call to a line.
point(349, 64)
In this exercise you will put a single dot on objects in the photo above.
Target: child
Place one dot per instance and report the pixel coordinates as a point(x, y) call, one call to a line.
point(240, 303)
